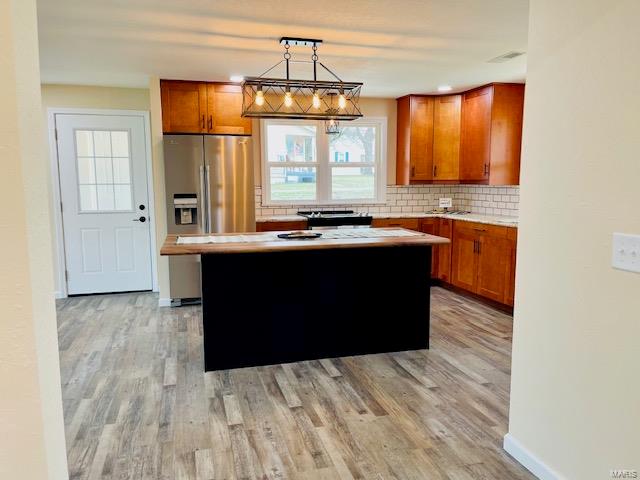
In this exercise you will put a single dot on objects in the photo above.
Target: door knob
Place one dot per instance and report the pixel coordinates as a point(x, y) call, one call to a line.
point(141, 219)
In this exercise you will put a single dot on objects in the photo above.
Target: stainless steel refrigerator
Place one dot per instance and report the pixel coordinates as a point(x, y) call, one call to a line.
point(210, 189)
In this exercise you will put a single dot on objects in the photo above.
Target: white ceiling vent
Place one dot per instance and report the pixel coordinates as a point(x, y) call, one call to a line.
point(506, 57)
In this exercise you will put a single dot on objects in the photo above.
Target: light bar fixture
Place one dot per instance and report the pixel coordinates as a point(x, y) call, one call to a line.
point(268, 97)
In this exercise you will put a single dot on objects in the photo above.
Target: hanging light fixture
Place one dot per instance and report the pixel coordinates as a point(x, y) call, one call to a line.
point(331, 127)
point(267, 97)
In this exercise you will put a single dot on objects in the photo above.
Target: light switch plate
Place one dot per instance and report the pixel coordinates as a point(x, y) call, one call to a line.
point(626, 252)
point(445, 203)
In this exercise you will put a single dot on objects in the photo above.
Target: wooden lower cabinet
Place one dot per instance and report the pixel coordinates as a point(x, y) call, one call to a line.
point(483, 260)
point(445, 229)
point(281, 226)
point(430, 226)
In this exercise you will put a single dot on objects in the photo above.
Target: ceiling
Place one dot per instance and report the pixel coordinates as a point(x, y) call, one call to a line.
point(394, 47)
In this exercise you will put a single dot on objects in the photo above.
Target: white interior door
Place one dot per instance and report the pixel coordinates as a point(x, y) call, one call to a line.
point(105, 203)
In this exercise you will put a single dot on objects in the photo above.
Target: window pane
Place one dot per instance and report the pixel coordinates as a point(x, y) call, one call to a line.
point(291, 184)
point(121, 172)
point(123, 197)
point(104, 172)
point(120, 144)
point(105, 197)
point(86, 171)
point(102, 143)
point(353, 183)
point(84, 143)
point(291, 143)
point(353, 144)
point(88, 201)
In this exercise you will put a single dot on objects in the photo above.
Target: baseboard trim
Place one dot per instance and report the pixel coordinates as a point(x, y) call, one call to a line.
point(164, 302)
point(528, 460)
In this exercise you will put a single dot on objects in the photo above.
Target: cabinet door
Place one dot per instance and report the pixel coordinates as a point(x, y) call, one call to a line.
point(444, 251)
point(421, 142)
point(464, 259)
point(184, 106)
point(430, 226)
point(475, 149)
point(511, 286)
point(224, 110)
point(494, 267)
point(446, 137)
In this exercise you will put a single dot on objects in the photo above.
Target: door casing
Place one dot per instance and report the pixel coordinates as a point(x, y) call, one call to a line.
point(58, 238)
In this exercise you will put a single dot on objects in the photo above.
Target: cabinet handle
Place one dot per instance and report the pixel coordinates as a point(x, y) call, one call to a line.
point(210, 122)
point(413, 172)
point(486, 169)
point(479, 247)
point(203, 122)
point(480, 229)
point(435, 170)
point(475, 246)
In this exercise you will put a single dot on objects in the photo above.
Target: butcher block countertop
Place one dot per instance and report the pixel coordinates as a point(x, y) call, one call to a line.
point(256, 242)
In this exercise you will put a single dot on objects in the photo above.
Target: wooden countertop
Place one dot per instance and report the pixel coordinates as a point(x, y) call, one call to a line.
point(170, 246)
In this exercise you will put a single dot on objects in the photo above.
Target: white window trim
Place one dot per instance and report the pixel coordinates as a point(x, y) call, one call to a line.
point(323, 171)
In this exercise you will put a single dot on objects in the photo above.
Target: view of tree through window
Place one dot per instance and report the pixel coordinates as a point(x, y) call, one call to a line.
point(303, 164)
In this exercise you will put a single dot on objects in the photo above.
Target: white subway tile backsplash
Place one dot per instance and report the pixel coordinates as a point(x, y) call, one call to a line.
point(418, 198)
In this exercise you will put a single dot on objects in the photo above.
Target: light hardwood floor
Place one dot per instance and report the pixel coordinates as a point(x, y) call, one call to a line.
point(137, 404)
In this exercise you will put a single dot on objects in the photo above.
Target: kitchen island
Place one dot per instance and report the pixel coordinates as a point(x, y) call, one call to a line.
point(266, 300)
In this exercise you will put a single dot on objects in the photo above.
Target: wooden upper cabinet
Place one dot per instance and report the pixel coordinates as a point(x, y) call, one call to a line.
point(184, 106)
point(200, 107)
point(446, 137)
point(491, 134)
point(224, 110)
point(414, 148)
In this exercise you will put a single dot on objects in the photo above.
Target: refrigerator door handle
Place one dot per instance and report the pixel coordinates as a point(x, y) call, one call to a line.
point(208, 187)
point(203, 201)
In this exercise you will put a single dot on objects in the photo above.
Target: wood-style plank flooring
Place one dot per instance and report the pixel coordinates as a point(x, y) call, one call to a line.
point(137, 404)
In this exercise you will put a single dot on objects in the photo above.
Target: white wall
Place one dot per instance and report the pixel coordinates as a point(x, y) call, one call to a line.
point(32, 444)
point(575, 394)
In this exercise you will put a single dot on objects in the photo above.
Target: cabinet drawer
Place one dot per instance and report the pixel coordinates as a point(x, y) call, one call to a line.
point(497, 231)
point(408, 223)
point(281, 226)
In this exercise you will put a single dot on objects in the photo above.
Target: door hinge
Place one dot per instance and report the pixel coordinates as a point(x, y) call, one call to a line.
point(55, 133)
point(61, 206)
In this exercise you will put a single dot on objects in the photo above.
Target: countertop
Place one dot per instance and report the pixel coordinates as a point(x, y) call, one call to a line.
point(500, 220)
point(171, 247)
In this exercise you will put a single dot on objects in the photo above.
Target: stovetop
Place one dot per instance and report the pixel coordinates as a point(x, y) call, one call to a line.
point(332, 213)
point(336, 218)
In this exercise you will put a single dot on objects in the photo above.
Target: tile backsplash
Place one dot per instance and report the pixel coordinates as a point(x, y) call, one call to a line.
point(483, 199)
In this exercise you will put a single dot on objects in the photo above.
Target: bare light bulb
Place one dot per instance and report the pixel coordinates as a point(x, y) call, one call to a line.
point(288, 99)
point(342, 102)
point(316, 100)
point(259, 98)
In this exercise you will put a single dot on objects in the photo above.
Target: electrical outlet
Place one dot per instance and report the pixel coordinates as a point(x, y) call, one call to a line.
point(445, 203)
point(626, 252)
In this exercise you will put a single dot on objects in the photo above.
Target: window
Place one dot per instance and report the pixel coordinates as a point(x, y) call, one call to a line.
point(304, 165)
point(104, 170)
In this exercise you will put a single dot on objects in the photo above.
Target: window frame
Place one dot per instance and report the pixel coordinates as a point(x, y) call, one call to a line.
point(324, 164)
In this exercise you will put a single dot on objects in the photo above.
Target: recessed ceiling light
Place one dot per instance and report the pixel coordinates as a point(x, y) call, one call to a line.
point(236, 78)
point(444, 88)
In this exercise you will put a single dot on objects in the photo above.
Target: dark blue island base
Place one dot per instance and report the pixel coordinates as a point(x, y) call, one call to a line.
point(264, 308)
